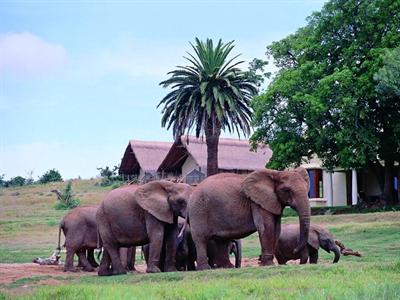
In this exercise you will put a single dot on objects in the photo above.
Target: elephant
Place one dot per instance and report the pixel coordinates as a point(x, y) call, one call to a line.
point(137, 215)
point(186, 252)
point(80, 230)
point(318, 237)
point(229, 206)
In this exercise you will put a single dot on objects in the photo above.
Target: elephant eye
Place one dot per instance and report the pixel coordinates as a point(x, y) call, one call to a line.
point(180, 201)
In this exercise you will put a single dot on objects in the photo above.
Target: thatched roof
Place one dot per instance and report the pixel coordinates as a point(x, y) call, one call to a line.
point(233, 154)
point(146, 155)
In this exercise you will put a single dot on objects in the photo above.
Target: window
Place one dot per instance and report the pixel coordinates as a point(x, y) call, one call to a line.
point(316, 187)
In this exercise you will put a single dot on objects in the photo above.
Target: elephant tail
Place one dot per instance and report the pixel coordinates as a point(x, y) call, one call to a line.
point(60, 227)
point(238, 253)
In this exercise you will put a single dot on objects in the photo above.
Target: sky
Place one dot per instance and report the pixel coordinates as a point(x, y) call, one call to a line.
point(79, 79)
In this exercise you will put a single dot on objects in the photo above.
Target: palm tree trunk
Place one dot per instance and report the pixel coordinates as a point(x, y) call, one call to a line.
point(212, 138)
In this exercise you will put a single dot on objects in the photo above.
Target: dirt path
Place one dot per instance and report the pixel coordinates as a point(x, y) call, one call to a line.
point(9, 273)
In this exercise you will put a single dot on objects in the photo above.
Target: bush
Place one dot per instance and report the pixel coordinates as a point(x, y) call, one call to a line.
point(116, 184)
point(109, 176)
point(3, 183)
point(16, 181)
point(66, 200)
point(50, 176)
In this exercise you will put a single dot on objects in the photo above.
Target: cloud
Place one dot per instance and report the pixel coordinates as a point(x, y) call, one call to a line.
point(27, 55)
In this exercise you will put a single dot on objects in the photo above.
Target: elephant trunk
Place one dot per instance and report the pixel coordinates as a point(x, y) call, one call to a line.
point(337, 253)
point(304, 220)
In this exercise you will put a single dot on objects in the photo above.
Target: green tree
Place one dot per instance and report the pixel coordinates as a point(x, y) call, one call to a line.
point(50, 176)
point(324, 100)
point(17, 181)
point(209, 95)
point(3, 182)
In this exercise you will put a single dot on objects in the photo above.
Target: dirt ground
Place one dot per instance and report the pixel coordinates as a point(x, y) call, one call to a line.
point(10, 273)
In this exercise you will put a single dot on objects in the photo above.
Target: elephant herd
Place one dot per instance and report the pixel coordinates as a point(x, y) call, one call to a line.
point(196, 228)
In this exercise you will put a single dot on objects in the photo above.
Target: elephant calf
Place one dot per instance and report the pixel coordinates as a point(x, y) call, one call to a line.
point(318, 237)
point(80, 230)
point(218, 253)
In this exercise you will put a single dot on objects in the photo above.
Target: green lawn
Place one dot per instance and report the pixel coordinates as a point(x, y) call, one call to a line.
point(28, 228)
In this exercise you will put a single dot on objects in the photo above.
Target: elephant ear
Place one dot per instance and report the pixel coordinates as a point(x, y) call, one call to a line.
point(259, 187)
point(153, 198)
point(313, 238)
point(304, 174)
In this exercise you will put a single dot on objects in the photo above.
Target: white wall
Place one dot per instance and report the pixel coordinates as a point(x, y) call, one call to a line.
point(189, 165)
point(338, 185)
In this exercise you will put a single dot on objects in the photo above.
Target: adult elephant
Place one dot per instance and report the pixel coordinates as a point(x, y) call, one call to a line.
point(134, 216)
point(318, 237)
point(228, 206)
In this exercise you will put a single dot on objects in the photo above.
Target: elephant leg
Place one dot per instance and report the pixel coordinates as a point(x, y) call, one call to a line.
point(265, 223)
point(105, 265)
point(155, 232)
point(277, 230)
point(222, 254)
point(304, 256)
point(91, 259)
point(116, 264)
point(170, 248)
point(80, 262)
point(69, 260)
point(86, 265)
point(131, 256)
point(123, 254)
point(313, 255)
point(201, 251)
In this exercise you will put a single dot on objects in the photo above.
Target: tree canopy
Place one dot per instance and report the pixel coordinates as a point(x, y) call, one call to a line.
point(336, 93)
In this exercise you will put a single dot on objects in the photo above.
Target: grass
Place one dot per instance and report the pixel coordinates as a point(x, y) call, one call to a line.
point(28, 228)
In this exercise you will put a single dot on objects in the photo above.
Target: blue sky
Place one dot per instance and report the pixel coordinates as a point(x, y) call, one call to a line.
point(78, 79)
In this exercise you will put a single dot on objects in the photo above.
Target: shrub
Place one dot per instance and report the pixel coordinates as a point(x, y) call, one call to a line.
point(117, 184)
point(17, 181)
point(109, 176)
point(3, 183)
point(66, 199)
point(50, 176)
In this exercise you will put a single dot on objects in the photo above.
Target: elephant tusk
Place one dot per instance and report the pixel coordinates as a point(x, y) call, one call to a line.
point(182, 230)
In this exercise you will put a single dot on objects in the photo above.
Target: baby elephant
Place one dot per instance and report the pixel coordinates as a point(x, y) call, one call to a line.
point(80, 230)
point(318, 237)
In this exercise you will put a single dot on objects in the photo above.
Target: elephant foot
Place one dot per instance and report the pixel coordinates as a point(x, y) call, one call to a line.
point(88, 269)
point(105, 272)
point(171, 269)
point(203, 267)
point(119, 272)
point(94, 265)
point(70, 269)
point(227, 266)
point(267, 260)
point(153, 269)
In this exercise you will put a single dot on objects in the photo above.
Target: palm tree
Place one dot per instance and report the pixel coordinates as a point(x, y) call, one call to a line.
point(210, 94)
